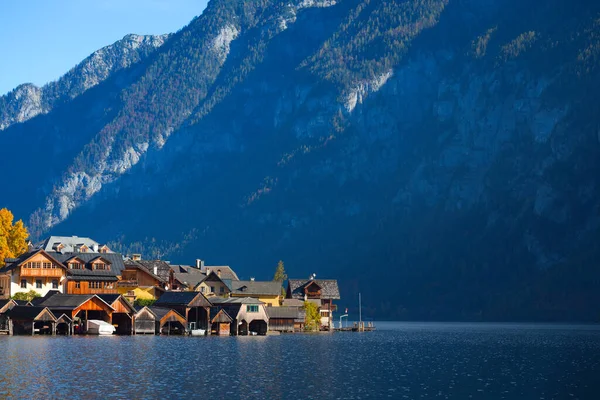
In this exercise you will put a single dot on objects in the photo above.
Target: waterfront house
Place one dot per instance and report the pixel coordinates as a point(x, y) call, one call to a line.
point(193, 306)
point(221, 324)
point(139, 282)
point(248, 314)
point(268, 292)
point(185, 277)
point(91, 273)
point(79, 308)
point(156, 320)
point(213, 285)
point(321, 291)
point(286, 319)
point(35, 270)
point(123, 314)
point(29, 320)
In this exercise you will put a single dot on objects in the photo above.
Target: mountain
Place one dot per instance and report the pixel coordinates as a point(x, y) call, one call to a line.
point(28, 100)
point(438, 156)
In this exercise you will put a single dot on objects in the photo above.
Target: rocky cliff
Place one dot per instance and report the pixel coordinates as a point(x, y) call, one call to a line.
point(28, 100)
point(441, 157)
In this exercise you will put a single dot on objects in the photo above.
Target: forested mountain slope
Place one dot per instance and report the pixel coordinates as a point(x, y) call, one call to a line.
point(441, 156)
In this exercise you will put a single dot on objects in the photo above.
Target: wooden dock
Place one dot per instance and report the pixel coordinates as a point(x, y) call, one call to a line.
point(357, 327)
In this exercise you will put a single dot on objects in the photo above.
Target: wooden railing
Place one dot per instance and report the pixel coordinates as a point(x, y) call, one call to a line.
point(43, 272)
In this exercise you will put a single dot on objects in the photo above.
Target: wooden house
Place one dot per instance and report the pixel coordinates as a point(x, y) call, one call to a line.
point(141, 282)
point(192, 305)
point(29, 320)
point(35, 270)
point(248, 314)
point(156, 320)
point(268, 292)
point(321, 291)
point(221, 324)
point(91, 273)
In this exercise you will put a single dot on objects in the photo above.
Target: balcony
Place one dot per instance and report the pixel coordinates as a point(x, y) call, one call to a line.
point(42, 272)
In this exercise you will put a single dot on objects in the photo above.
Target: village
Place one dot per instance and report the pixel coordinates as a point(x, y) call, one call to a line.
point(79, 286)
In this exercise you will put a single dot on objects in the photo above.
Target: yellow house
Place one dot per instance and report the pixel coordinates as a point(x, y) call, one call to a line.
point(137, 282)
point(213, 285)
point(269, 292)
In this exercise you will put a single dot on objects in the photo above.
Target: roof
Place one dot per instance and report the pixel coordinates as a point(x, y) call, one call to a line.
point(293, 303)
point(329, 288)
point(160, 312)
point(111, 298)
point(256, 288)
point(189, 279)
point(28, 312)
point(67, 301)
point(39, 300)
point(69, 243)
point(285, 312)
point(12, 263)
point(163, 268)
point(225, 270)
point(221, 317)
point(234, 300)
point(22, 302)
point(115, 260)
point(180, 299)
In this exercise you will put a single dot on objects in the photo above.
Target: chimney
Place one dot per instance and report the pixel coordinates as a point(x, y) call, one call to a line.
point(199, 263)
point(219, 273)
point(156, 271)
point(136, 257)
point(95, 248)
point(252, 279)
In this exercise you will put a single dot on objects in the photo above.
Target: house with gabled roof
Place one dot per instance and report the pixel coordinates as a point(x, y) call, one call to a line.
point(269, 292)
point(321, 291)
point(139, 282)
point(213, 285)
point(29, 320)
point(80, 309)
point(35, 270)
point(72, 244)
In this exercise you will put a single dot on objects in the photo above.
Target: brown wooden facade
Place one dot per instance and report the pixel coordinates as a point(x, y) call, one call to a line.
point(91, 287)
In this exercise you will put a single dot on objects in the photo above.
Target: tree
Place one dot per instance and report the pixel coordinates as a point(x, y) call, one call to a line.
point(22, 296)
point(280, 274)
point(144, 302)
point(312, 320)
point(13, 238)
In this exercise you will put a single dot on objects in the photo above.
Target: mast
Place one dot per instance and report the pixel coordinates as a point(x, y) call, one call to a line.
point(359, 310)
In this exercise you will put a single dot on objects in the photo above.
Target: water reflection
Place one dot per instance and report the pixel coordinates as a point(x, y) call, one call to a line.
point(452, 361)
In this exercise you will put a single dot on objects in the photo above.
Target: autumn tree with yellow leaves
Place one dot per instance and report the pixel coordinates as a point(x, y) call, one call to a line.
point(13, 238)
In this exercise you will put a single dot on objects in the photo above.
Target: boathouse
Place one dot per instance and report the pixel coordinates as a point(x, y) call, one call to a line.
point(286, 319)
point(80, 309)
point(193, 306)
point(123, 314)
point(248, 314)
point(221, 324)
point(156, 320)
point(29, 320)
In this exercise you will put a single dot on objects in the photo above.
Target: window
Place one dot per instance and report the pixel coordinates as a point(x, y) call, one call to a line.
point(252, 308)
point(96, 285)
point(324, 313)
point(221, 290)
point(202, 289)
point(108, 285)
point(47, 265)
point(101, 266)
point(77, 285)
point(55, 284)
point(212, 289)
point(23, 283)
point(75, 265)
point(38, 283)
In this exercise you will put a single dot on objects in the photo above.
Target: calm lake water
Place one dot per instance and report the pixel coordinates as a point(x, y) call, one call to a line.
point(399, 361)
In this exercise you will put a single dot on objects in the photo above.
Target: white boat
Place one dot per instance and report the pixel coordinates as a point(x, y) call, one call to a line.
point(98, 327)
point(198, 332)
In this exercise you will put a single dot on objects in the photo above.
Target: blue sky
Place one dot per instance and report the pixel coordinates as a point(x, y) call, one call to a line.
point(40, 40)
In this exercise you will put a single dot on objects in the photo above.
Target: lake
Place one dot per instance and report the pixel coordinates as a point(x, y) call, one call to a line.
point(398, 361)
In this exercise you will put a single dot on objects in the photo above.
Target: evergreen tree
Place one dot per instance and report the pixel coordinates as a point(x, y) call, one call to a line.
point(280, 274)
